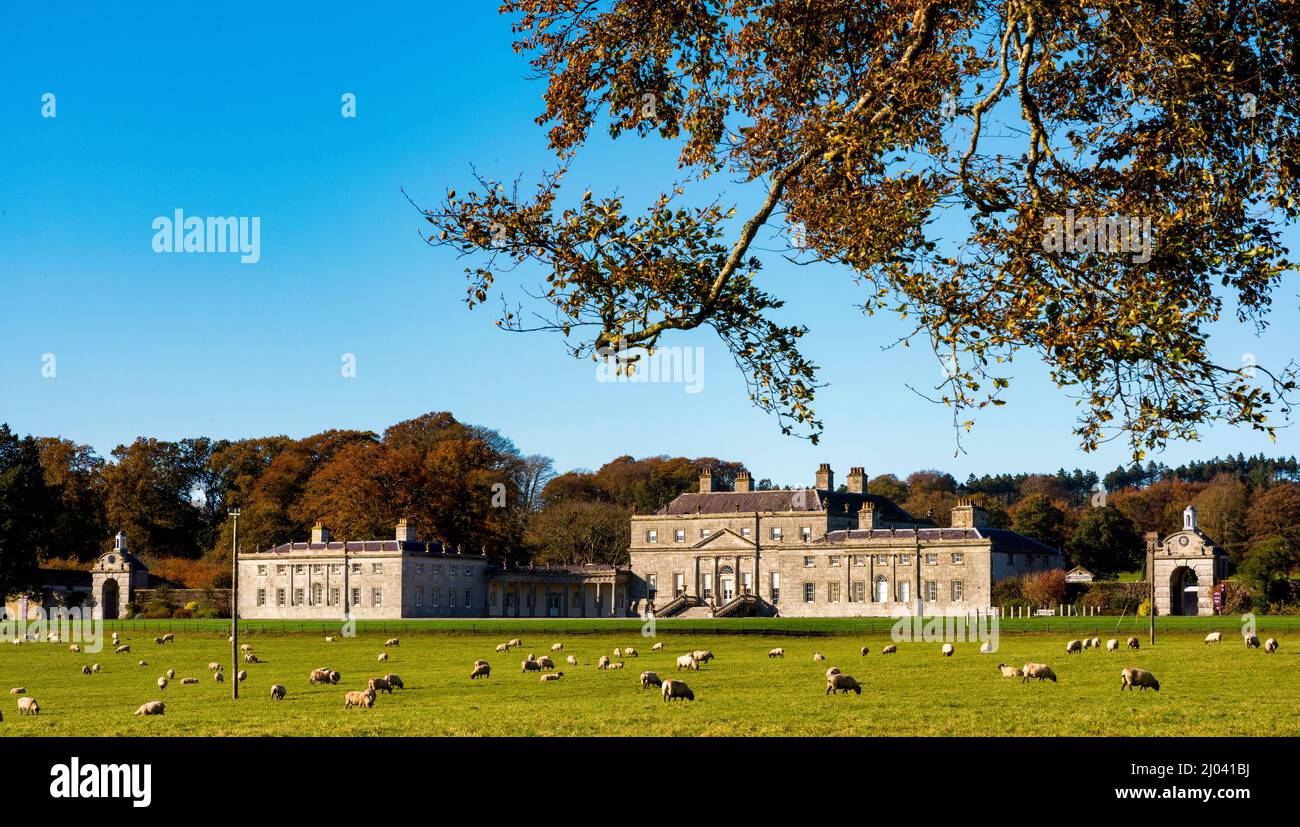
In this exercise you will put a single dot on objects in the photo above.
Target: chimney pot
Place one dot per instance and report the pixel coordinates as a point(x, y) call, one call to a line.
point(825, 477)
point(706, 481)
point(857, 480)
point(743, 482)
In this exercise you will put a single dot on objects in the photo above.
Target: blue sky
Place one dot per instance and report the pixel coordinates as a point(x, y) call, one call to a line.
point(237, 112)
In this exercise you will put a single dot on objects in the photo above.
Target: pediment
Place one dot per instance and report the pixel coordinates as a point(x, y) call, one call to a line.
point(725, 539)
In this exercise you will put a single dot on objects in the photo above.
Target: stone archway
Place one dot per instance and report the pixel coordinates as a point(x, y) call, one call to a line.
point(108, 600)
point(1184, 592)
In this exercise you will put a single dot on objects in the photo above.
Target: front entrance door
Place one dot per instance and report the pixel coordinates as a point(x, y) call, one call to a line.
point(728, 588)
point(553, 604)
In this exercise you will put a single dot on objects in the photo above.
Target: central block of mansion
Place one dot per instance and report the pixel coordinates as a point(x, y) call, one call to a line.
point(810, 552)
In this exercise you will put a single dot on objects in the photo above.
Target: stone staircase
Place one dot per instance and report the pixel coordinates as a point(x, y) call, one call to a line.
point(696, 612)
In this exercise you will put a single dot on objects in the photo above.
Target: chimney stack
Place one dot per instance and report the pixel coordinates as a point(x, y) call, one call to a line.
point(825, 477)
point(706, 481)
point(743, 482)
point(405, 531)
point(319, 534)
point(966, 514)
point(857, 480)
point(868, 517)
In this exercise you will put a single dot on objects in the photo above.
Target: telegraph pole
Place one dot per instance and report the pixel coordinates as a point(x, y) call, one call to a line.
point(1151, 575)
point(234, 607)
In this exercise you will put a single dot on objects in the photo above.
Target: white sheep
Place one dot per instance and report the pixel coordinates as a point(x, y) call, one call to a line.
point(1140, 678)
point(616, 665)
point(947, 650)
point(1270, 645)
point(94, 667)
point(383, 656)
point(986, 648)
point(702, 655)
point(1009, 671)
point(171, 673)
point(618, 653)
point(151, 708)
point(515, 642)
point(1214, 637)
point(75, 649)
point(364, 700)
point(1252, 641)
point(169, 637)
point(778, 652)
point(603, 663)
point(503, 647)
point(1087, 643)
point(658, 647)
point(277, 692)
point(144, 663)
point(28, 706)
point(244, 647)
point(687, 662)
point(818, 656)
point(1096, 643)
point(1037, 670)
point(649, 679)
point(1074, 647)
point(572, 660)
point(1112, 645)
point(251, 658)
point(891, 649)
point(18, 690)
point(834, 670)
point(842, 683)
point(214, 667)
point(328, 639)
point(481, 670)
point(675, 689)
point(123, 649)
point(553, 676)
point(320, 675)
point(392, 641)
point(629, 652)
point(162, 683)
point(557, 647)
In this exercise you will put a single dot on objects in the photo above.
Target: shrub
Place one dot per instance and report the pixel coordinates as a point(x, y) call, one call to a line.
point(183, 612)
point(1006, 592)
point(192, 606)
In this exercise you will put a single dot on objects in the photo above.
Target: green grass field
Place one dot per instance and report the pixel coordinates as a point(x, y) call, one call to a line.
point(1205, 690)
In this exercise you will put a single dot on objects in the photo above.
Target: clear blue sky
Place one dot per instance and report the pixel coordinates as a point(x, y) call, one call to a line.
point(236, 111)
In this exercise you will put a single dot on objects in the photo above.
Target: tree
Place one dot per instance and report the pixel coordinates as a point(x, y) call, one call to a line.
point(1267, 566)
point(1046, 588)
point(889, 486)
point(1275, 512)
point(24, 505)
point(1105, 541)
point(1221, 513)
point(77, 525)
point(572, 532)
point(1038, 517)
point(149, 495)
point(1138, 184)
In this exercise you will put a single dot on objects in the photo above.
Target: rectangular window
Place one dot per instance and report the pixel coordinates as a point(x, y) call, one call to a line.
point(377, 597)
point(437, 568)
point(437, 595)
point(834, 560)
point(451, 598)
point(336, 568)
point(451, 571)
point(705, 532)
point(882, 559)
point(931, 591)
point(281, 569)
point(956, 591)
point(708, 585)
point(467, 599)
point(805, 533)
point(904, 559)
point(317, 568)
point(776, 586)
point(833, 592)
point(299, 569)
point(958, 558)
point(261, 597)
point(297, 597)
point(746, 532)
point(809, 593)
point(932, 559)
point(859, 560)
point(356, 597)
point(679, 535)
point(809, 561)
point(776, 532)
point(652, 536)
point(261, 571)
point(356, 568)
point(419, 595)
point(376, 568)
point(279, 597)
point(859, 594)
point(419, 568)
point(334, 596)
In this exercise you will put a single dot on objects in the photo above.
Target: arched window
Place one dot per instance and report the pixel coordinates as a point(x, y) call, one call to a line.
point(882, 589)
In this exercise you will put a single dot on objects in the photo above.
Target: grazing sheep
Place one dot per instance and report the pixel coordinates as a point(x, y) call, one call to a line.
point(677, 689)
point(1112, 645)
point(545, 662)
point(144, 663)
point(158, 641)
point(1009, 671)
point(151, 708)
point(378, 685)
point(629, 652)
point(189, 680)
point(277, 692)
point(18, 690)
point(28, 706)
point(1214, 637)
point(320, 676)
point(335, 677)
point(383, 656)
point(162, 683)
point(554, 676)
point(1074, 647)
point(986, 648)
point(834, 670)
point(572, 660)
point(687, 662)
point(75, 649)
point(557, 647)
point(171, 673)
point(503, 647)
point(1252, 641)
point(1096, 643)
point(392, 641)
point(658, 647)
point(241, 675)
point(947, 650)
point(394, 681)
point(778, 652)
point(842, 683)
point(244, 647)
point(865, 651)
point(481, 670)
point(818, 656)
point(649, 679)
point(1133, 643)
point(328, 639)
point(169, 637)
point(603, 663)
point(530, 666)
point(618, 653)
point(251, 658)
point(702, 655)
point(1087, 643)
point(214, 666)
point(515, 642)
point(94, 667)
point(1037, 670)
point(364, 700)
point(616, 665)
point(891, 649)
point(123, 649)
point(1270, 645)
point(1140, 678)
point(219, 677)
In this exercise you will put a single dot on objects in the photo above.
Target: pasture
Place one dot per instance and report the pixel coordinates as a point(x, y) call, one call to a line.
point(1210, 690)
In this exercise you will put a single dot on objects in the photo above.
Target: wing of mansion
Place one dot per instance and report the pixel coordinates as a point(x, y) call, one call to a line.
point(808, 552)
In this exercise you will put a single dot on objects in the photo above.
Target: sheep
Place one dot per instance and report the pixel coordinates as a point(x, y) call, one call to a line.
point(321, 675)
point(329, 638)
point(778, 652)
point(28, 706)
point(986, 648)
point(1096, 643)
point(865, 651)
point(75, 649)
point(144, 663)
point(1252, 641)
point(554, 676)
point(162, 683)
point(392, 641)
point(18, 690)
point(151, 708)
point(383, 656)
point(123, 649)
point(557, 647)
point(364, 700)
point(658, 647)
point(891, 649)
point(1009, 671)
point(1133, 643)
point(1270, 645)
point(171, 673)
point(378, 685)
point(1112, 645)
point(529, 666)
point(394, 681)
point(219, 677)
point(214, 666)
point(834, 670)
point(545, 662)
point(1087, 643)
point(677, 689)
point(818, 656)
point(649, 679)
point(687, 662)
point(1037, 670)
point(189, 680)
point(480, 670)
point(603, 663)
point(629, 652)
point(618, 653)
point(1074, 647)
point(515, 642)
point(241, 675)
point(158, 641)
point(245, 648)
point(503, 647)
point(702, 655)
point(572, 660)
point(947, 650)
point(843, 684)
point(251, 658)
point(335, 677)
point(94, 667)
point(277, 692)
point(169, 638)
point(616, 665)
point(1214, 637)
point(1140, 678)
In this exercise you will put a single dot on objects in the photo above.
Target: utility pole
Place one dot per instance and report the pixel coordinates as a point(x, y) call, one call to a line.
point(1151, 575)
point(234, 607)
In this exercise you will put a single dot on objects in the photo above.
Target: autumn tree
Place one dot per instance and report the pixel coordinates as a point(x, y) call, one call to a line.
point(1046, 588)
point(1038, 517)
point(1106, 542)
point(1119, 172)
point(573, 532)
point(77, 527)
point(1275, 513)
point(1221, 513)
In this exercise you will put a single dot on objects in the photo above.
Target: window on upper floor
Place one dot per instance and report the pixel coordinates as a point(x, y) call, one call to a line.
point(679, 535)
point(805, 533)
point(809, 561)
point(651, 536)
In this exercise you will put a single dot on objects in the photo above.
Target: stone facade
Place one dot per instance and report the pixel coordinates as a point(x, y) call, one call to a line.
point(1186, 566)
point(114, 580)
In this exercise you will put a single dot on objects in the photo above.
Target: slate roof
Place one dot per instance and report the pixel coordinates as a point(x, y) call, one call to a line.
point(1003, 539)
point(339, 546)
point(797, 500)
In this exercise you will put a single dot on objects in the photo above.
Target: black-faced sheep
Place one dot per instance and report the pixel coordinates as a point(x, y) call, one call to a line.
point(865, 651)
point(28, 706)
point(947, 650)
point(891, 649)
point(834, 670)
point(364, 700)
point(1140, 678)
point(169, 637)
point(778, 652)
point(1112, 645)
point(383, 656)
point(702, 655)
point(1252, 641)
point(123, 649)
point(986, 648)
point(629, 652)
point(251, 658)
point(85, 670)
point(674, 689)
point(18, 690)
point(321, 675)
point(378, 685)
point(554, 676)
point(241, 675)
point(277, 692)
point(503, 647)
point(74, 648)
point(557, 647)
point(603, 663)
point(1270, 645)
point(171, 673)
point(394, 681)
point(842, 683)
point(1133, 643)
point(658, 647)
point(618, 664)
point(649, 679)
point(481, 670)
point(392, 641)
point(515, 642)
point(158, 641)
point(572, 660)
point(189, 681)
point(817, 656)
point(1037, 670)
point(1074, 647)
point(219, 677)
point(545, 662)
point(151, 708)
point(530, 666)
point(162, 683)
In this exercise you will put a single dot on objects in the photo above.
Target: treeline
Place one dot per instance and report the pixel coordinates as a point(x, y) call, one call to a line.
point(469, 487)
